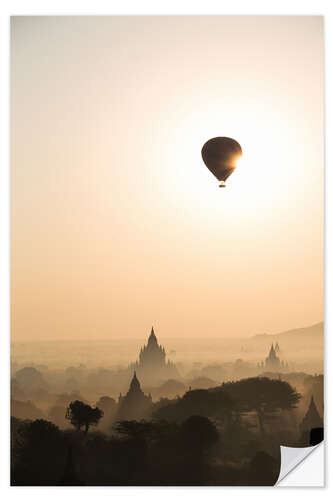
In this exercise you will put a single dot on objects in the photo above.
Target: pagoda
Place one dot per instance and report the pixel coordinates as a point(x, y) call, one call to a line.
point(135, 405)
point(311, 419)
point(152, 365)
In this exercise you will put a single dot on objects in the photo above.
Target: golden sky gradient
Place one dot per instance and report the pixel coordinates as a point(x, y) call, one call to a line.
point(116, 222)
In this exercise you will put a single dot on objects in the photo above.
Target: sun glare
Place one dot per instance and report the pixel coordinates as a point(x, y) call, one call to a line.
point(260, 187)
point(239, 162)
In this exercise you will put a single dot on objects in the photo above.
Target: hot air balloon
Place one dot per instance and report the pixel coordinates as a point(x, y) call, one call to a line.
point(220, 155)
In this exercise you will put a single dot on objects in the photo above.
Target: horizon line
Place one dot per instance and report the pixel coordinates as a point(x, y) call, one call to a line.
point(99, 339)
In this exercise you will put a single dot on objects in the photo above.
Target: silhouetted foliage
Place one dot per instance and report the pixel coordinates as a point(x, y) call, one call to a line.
point(38, 454)
point(109, 407)
point(263, 470)
point(198, 433)
point(106, 404)
point(207, 437)
point(206, 403)
point(81, 415)
point(134, 428)
point(263, 395)
point(149, 430)
point(70, 477)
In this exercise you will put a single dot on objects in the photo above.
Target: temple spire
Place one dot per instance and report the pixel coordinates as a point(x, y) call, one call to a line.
point(272, 362)
point(312, 418)
point(135, 384)
point(152, 337)
point(152, 364)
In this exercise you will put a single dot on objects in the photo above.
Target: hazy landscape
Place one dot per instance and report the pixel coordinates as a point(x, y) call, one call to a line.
point(213, 389)
point(167, 285)
point(302, 347)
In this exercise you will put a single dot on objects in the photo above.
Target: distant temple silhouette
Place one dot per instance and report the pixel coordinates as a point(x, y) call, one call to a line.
point(152, 366)
point(311, 419)
point(272, 362)
point(152, 354)
point(135, 405)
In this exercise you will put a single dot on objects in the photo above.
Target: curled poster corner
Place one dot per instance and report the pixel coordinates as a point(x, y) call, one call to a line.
point(291, 458)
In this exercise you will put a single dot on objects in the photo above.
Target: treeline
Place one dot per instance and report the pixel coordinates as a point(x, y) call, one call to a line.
point(228, 435)
point(140, 453)
point(227, 403)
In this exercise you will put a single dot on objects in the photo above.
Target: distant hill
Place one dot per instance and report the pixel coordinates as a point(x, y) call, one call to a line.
point(302, 345)
point(314, 331)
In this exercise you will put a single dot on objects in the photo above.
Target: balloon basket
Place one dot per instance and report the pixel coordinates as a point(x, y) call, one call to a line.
point(222, 184)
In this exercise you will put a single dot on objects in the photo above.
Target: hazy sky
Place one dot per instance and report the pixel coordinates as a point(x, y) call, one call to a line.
point(116, 222)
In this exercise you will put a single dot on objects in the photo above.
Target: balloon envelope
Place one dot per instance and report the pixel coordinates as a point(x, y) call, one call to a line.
point(220, 155)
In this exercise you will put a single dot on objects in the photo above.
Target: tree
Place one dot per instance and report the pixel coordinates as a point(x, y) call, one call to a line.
point(82, 415)
point(198, 434)
point(134, 429)
point(263, 395)
point(208, 403)
point(107, 404)
point(149, 430)
point(38, 453)
point(30, 379)
point(109, 407)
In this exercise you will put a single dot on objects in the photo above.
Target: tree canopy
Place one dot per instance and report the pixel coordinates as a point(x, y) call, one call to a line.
point(82, 415)
point(262, 395)
point(203, 402)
